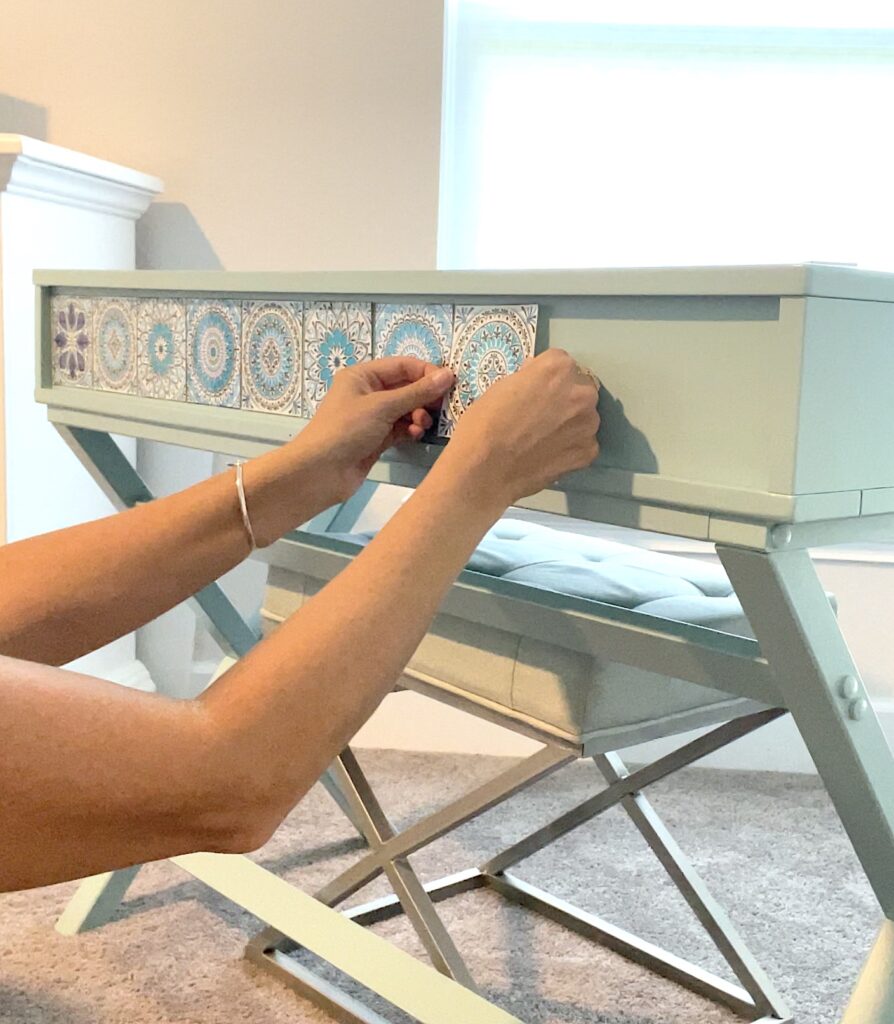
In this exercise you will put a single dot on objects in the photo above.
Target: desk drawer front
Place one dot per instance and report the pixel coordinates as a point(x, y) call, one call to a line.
point(712, 404)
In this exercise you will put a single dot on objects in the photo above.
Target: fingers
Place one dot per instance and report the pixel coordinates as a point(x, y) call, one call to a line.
point(395, 371)
point(401, 432)
point(560, 357)
point(412, 427)
point(421, 418)
point(405, 431)
point(402, 401)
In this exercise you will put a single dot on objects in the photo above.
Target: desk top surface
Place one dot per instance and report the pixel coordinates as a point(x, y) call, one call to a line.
point(815, 279)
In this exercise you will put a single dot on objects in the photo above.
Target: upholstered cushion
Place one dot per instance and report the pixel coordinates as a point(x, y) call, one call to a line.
point(568, 693)
point(604, 570)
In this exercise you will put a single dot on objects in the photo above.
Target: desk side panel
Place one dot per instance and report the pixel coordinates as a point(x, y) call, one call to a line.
point(846, 414)
point(707, 401)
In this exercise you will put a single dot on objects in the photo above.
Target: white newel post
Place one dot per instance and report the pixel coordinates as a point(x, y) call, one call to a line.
point(58, 210)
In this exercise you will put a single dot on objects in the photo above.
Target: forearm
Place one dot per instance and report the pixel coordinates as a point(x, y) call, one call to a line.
point(95, 776)
point(72, 591)
point(285, 710)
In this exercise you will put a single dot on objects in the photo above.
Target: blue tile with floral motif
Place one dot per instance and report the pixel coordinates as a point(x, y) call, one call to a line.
point(421, 331)
point(489, 342)
point(336, 334)
point(161, 359)
point(213, 341)
point(115, 345)
point(271, 356)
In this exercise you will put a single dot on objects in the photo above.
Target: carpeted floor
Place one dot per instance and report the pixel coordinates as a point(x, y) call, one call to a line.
point(769, 844)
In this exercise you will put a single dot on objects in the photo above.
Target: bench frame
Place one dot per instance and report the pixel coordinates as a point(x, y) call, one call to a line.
point(388, 851)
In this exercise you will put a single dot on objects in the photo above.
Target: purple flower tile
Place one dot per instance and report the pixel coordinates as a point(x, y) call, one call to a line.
point(72, 341)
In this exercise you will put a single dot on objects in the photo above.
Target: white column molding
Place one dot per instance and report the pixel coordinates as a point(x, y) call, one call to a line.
point(63, 210)
point(40, 170)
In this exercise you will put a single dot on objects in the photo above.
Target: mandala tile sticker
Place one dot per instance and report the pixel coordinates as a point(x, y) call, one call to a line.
point(72, 328)
point(271, 356)
point(212, 352)
point(115, 345)
point(336, 334)
point(161, 357)
point(420, 331)
point(489, 342)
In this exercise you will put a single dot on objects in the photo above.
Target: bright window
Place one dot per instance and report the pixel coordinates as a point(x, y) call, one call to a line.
point(596, 133)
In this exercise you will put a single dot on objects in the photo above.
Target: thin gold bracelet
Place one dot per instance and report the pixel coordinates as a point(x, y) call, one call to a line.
point(243, 506)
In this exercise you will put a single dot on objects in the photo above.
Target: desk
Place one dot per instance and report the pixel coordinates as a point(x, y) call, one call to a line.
point(746, 406)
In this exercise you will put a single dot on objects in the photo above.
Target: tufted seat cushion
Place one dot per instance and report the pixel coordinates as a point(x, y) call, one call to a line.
point(601, 704)
point(604, 570)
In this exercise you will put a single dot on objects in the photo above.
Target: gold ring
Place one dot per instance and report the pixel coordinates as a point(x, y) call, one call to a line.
point(587, 372)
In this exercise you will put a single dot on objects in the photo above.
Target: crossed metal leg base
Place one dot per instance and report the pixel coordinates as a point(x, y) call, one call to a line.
point(754, 999)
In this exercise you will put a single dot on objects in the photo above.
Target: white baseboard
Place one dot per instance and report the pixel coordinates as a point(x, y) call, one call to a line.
point(133, 674)
point(116, 664)
point(407, 721)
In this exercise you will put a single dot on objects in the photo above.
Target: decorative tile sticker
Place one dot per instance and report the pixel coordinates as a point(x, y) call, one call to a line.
point(115, 345)
point(212, 352)
point(336, 334)
point(420, 331)
point(72, 350)
point(161, 357)
point(489, 342)
point(271, 356)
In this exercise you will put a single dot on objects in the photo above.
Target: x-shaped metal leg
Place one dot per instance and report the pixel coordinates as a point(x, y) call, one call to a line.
point(693, 889)
point(406, 885)
point(469, 806)
point(758, 995)
point(388, 848)
point(756, 998)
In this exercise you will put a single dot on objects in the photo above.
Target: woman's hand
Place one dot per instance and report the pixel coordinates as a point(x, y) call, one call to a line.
point(370, 407)
point(527, 430)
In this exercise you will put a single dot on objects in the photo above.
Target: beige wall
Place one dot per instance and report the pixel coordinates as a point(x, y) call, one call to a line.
point(290, 134)
point(296, 134)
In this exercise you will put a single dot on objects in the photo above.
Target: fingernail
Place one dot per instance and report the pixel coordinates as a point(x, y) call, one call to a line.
point(442, 378)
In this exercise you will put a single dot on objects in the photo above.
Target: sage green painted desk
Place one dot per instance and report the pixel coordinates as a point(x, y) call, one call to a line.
point(747, 406)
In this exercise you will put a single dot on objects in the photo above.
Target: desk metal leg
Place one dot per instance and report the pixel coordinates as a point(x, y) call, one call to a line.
point(401, 979)
point(124, 487)
point(96, 901)
point(799, 635)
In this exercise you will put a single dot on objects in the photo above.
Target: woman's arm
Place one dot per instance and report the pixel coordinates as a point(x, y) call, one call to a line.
point(96, 777)
point(72, 591)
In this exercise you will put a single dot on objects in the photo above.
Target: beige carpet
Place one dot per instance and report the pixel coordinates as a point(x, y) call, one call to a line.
point(770, 844)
